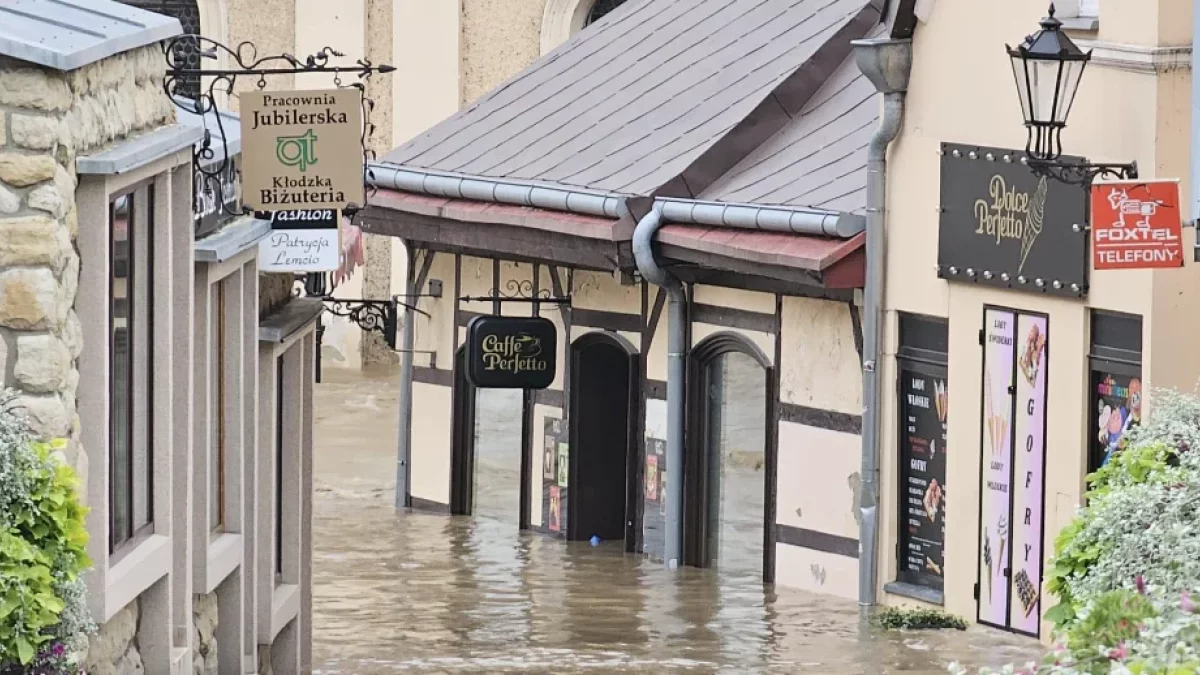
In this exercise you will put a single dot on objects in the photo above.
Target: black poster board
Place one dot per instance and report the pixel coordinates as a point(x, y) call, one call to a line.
point(505, 352)
point(923, 408)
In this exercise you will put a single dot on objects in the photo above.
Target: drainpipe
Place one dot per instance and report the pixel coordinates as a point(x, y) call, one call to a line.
point(886, 62)
point(643, 253)
point(404, 448)
point(1195, 173)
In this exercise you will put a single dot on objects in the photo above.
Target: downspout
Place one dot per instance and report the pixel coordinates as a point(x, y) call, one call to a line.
point(404, 449)
point(887, 63)
point(643, 253)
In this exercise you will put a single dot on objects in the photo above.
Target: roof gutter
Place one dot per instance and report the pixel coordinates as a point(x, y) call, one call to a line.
point(767, 218)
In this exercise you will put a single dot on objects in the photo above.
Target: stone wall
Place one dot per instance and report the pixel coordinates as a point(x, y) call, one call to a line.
point(113, 650)
point(47, 119)
point(204, 622)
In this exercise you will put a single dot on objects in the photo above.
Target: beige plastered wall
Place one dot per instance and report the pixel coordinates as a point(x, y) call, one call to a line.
point(1119, 115)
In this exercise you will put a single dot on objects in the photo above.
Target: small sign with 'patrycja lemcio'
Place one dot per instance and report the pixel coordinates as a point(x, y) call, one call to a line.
point(1136, 225)
point(302, 149)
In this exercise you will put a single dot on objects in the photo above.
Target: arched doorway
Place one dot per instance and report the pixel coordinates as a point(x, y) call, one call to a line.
point(605, 372)
point(729, 461)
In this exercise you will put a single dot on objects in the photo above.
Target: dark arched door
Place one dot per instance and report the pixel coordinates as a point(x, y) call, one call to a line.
point(729, 461)
point(603, 449)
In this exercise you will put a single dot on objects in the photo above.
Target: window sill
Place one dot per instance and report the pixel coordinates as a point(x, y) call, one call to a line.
point(285, 606)
point(915, 592)
point(1087, 24)
point(224, 555)
point(137, 571)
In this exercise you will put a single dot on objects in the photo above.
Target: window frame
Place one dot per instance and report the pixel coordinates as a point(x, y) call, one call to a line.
point(139, 370)
point(217, 399)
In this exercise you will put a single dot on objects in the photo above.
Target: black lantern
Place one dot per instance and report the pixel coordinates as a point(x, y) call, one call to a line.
point(1047, 67)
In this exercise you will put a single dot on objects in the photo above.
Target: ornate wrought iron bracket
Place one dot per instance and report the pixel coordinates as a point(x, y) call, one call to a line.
point(379, 316)
point(518, 291)
point(184, 84)
point(1083, 174)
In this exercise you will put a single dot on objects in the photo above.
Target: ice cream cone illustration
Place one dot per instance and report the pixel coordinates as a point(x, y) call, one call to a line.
point(987, 559)
point(1002, 534)
point(939, 389)
point(1033, 226)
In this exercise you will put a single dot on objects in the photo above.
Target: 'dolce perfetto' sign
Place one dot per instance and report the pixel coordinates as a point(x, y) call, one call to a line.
point(1001, 225)
point(302, 149)
point(505, 352)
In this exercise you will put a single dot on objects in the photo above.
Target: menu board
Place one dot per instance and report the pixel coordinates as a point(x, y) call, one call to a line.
point(923, 404)
point(1029, 463)
point(995, 494)
point(1117, 407)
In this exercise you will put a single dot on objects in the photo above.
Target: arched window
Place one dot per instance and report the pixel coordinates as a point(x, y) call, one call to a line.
point(600, 8)
point(186, 51)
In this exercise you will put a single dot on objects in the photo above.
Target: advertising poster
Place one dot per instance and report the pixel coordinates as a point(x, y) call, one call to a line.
point(555, 521)
point(1117, 401)
point(564, 464)
point(995, 493)
point(550, 449)
point(923, 404)
point(652, 478)
point(1028, 466)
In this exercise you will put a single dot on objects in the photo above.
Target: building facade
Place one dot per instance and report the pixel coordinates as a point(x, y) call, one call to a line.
point(1011, 365)
point(527, 203)
point(182, 379)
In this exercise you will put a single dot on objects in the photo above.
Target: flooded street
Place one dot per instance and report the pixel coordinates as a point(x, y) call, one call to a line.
point(431, 594)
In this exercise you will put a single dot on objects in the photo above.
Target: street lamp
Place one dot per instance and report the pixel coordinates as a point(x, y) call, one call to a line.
point(1048, 67)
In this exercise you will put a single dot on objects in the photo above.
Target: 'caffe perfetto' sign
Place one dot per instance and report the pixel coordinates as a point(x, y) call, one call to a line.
point(302, 149)
point(505, 352)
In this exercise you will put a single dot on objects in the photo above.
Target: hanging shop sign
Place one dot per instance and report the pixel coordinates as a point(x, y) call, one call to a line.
point(505, 352)
point(923, 408)
point(218, 196)
point(300, 241)
point(1012, 490)
point(1001, 225)
point(1136, 225)
point(302, 149)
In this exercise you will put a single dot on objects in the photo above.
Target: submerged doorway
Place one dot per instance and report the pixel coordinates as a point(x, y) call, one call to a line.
point(487, 450)
point(729, 463)
point(604, 402)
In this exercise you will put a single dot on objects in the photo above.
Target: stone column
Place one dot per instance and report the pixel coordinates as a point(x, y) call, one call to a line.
point(40, 335)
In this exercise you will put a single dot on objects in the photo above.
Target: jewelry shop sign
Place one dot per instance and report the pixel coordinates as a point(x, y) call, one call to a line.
point(505, 352)
point(302, 149)
point(1001, 225)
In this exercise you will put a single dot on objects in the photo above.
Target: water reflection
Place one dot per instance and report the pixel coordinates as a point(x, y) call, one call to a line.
point(418, 593)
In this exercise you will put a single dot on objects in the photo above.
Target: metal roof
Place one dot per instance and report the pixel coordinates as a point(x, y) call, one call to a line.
point(69, 34)
point(657, 91)
point(225, 128)
point(819, 159)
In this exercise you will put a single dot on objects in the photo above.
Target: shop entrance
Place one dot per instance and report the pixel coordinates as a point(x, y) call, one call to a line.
point(604, 403)
point(729, 463)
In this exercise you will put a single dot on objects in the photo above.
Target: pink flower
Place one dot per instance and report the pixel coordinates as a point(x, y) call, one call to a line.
point(1118, 653)
point(1140, 582)
point(1186, 603)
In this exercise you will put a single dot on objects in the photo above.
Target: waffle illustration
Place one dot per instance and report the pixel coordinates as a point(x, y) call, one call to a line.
point(1033, 226)
point(1026, 592)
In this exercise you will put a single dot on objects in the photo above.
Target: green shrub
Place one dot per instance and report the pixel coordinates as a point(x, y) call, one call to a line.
point(917, 618)
point(43, 541)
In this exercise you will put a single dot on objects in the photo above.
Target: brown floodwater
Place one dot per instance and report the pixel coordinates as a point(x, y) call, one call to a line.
point(422, 593)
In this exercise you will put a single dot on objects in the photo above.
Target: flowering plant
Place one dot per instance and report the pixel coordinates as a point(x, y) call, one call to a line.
point(44, 622)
